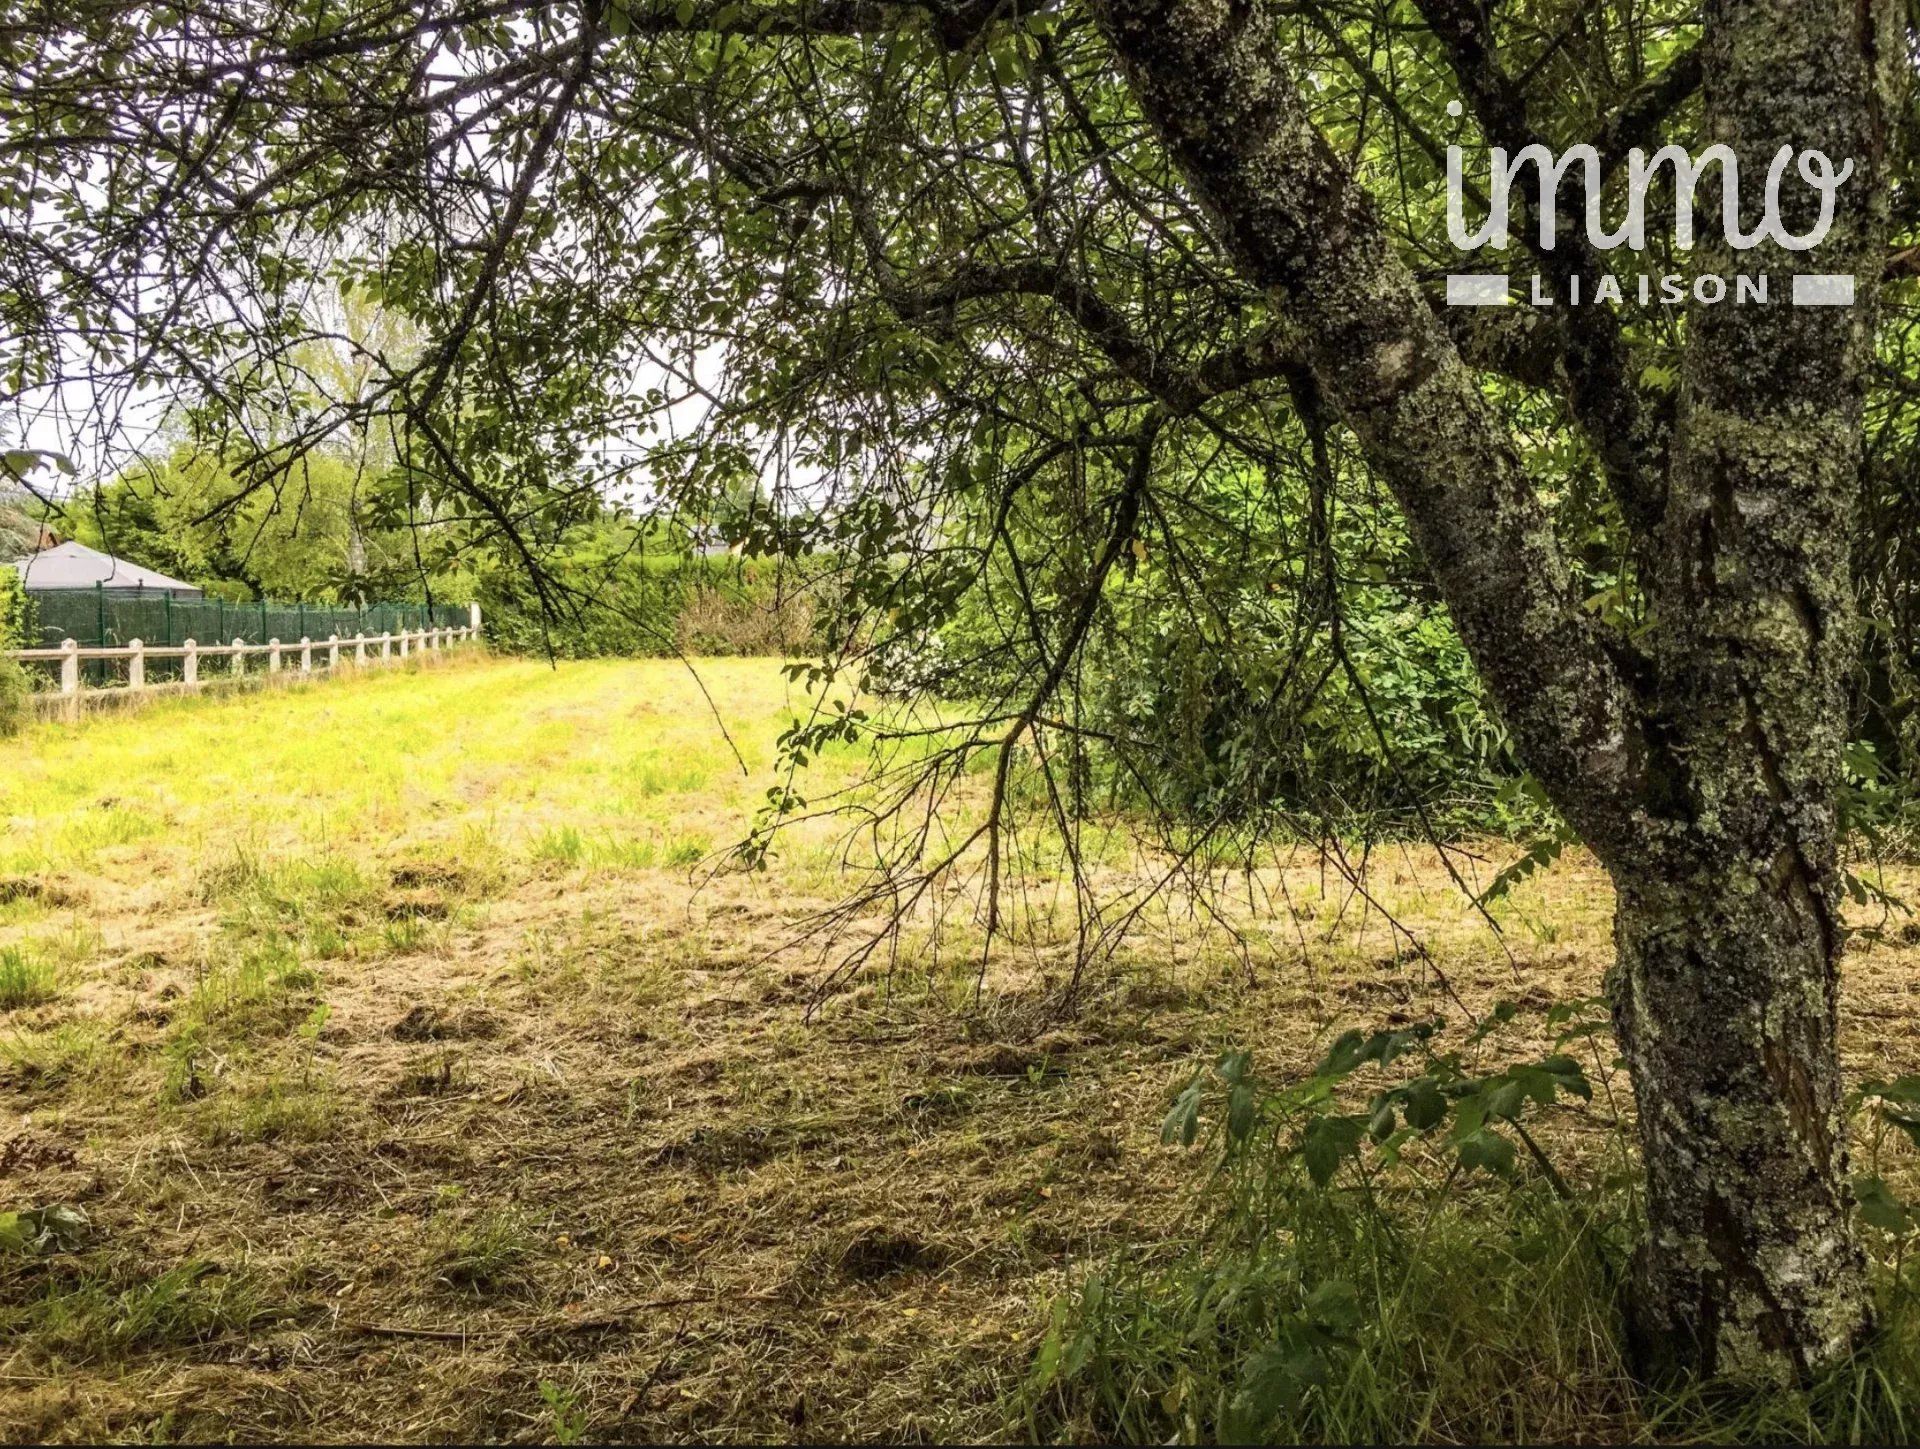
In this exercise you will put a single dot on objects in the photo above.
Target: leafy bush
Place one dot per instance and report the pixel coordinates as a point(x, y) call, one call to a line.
point(17, 631)
point(1264, 722)
point(1405, 1265)
point(19, 616)
point(16, 691)
point(1250, 661)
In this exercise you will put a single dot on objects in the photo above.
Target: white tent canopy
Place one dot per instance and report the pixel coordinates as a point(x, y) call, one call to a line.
point(75, 566)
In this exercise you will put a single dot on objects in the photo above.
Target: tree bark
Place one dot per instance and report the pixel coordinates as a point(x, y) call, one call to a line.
point(1724, 996)
point(1703, 772)
point(1728, 917)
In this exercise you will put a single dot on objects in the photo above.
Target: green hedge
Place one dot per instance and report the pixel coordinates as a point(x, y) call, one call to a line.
point(659, 604)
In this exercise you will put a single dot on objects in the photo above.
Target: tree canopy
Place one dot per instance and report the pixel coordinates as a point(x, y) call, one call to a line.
point(1064, 325)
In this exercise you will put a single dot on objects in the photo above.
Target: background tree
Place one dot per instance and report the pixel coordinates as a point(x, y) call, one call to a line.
point(1001, 293)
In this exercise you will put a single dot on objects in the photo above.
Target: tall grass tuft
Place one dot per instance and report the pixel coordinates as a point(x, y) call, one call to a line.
point(1388, 1295)
point(25, 980)
point(16, 696)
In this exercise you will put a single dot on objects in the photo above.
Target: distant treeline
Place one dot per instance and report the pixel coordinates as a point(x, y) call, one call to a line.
point(608, 582)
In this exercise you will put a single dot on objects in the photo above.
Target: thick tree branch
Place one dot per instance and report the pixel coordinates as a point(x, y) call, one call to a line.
point(1179, 389)
point(1215, 79)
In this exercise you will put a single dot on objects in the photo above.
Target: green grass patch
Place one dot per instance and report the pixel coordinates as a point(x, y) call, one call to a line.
point(278, 1109)
point(87, 1308)
point(564, 846)
point(241, 1002)
point(481, 1253)
point(60, 1056)
point(25, 980)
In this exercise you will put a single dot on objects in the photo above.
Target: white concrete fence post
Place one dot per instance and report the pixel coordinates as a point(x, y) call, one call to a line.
point(431, 638)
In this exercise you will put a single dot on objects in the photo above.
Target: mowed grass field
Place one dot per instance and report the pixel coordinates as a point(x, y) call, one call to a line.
point(422, 1073)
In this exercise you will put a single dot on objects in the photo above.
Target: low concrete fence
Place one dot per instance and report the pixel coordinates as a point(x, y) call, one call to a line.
point(207, 664)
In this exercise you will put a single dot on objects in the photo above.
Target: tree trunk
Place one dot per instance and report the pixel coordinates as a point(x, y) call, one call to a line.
point(1724, 996)
point(1701, 762)
point(1728, 925)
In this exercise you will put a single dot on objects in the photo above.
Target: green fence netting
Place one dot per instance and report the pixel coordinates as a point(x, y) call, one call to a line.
point(102, 618)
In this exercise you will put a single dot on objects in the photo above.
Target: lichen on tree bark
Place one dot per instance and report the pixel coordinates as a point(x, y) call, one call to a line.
point(1703, 774)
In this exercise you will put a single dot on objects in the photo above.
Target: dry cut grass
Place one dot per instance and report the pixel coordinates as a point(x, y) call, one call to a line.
point(420, 1080)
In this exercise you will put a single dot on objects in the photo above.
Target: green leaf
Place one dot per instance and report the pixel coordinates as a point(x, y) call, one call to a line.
point(1426, 1107)
point(1182, 1123)
point(58, 1228)
point(1047, 1363)
point(1232, 1066)
point(1879, 1206)
point(1242, 1111)
point(1537, 856)
point(1344, 1055)
point(1272, 1379)
point(1907, 1122)
point(1327, 1141)
point(1488, 1150)
point(1335, 1305)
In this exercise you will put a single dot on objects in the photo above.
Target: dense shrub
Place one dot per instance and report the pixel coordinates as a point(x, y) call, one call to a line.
point(1275, 721)
point(1238, 673)
point(15, 692)
point(17, 631)
point(616, 598)
point(746, 620)
point(19, 616)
